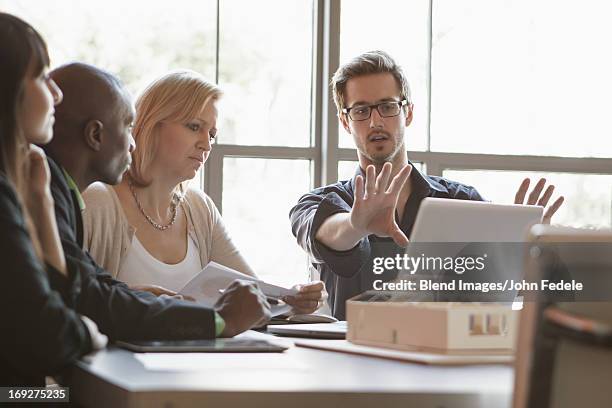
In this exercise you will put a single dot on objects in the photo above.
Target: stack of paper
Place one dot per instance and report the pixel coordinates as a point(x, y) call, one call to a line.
point(208, 285)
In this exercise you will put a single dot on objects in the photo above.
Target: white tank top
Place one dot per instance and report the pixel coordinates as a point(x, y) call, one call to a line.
point(142, 268)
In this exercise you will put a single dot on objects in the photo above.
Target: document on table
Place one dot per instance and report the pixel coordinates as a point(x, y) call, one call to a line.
point(205, 287)
point(415, 356)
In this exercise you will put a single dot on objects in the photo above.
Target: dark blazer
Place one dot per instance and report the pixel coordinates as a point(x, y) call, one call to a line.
point(120, 312)
point(39, 333)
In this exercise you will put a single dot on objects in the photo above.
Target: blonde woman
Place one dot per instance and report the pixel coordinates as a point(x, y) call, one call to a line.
point(150, 231)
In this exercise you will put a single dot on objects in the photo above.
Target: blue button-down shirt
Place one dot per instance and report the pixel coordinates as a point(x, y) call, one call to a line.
point(349, 273)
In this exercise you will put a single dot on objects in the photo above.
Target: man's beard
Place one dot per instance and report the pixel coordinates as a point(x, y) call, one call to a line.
point(382, 157)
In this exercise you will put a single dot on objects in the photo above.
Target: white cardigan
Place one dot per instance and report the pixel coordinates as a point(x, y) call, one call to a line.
point(108, 235)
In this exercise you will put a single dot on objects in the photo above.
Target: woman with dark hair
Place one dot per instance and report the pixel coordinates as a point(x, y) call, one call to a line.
point(41, 334)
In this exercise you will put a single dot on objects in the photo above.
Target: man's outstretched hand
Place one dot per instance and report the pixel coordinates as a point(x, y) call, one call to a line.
point(375, 202)
point(537, 198)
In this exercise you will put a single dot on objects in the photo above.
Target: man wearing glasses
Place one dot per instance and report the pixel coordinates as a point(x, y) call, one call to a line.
point(345, 225)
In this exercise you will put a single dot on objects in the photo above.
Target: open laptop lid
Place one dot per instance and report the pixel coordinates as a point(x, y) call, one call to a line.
point(456, 230)
point(446, 220)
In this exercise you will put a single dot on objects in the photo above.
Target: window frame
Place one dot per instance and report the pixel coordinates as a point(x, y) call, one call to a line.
point(325, 154)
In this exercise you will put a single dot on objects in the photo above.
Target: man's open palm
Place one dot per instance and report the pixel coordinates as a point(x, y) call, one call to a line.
point(375, 203)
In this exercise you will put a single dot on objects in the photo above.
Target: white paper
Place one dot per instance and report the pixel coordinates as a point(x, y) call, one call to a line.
point(205, 286)
point(422, 357)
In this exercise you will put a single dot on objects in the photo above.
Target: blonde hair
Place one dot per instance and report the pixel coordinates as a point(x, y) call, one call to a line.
point(371, 62)
point(177, 96)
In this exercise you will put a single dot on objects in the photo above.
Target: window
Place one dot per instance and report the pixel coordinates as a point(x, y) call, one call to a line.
point(401, 29)
point(505, 79)
point(262, 63)
point(491, 80)
point(265, 71)
point(124, 37)
point(258, 194)
point(512, 77)
point(265, 66)
point(587, 196)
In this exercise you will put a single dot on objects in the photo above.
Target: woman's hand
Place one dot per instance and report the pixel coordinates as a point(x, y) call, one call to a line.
point(39, 177)
point(161, 291)
point(40, 205)
point(309, 298)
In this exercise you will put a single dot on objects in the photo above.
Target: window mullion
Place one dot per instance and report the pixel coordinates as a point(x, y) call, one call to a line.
point(329, 121)
point(213, 177)
point(429, 59)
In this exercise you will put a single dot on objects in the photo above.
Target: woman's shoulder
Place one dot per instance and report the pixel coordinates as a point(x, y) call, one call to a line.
point(96, 189)
point(201, 206)
point(99, 196)
point(198, 198)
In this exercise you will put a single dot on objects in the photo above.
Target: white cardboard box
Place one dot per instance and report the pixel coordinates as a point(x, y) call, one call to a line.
point(445, 327)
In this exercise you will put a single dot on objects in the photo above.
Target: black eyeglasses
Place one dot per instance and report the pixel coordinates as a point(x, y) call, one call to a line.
point(385, 109)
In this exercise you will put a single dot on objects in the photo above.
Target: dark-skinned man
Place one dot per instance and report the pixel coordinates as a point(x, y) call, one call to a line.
point(92, 142)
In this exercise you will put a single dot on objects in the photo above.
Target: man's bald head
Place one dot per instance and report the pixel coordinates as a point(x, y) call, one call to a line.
point(92, 128)
point(91, 93)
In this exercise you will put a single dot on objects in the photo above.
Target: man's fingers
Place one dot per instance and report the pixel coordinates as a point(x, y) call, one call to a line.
point(266, 314)
point(383, 178)
point(552, 210)
point(520, 194)
point(359, 189)
point(265, 303)
point(398, 181)
point(399, 237)
point(370, 180)
point(546, 197)
point(537, 190)
point(265, 318)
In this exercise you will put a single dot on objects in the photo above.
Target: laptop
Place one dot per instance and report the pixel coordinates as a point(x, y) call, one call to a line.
point(336, 330)
point(492, 234)
point(444, 220)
